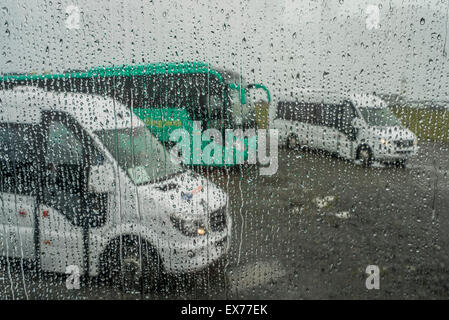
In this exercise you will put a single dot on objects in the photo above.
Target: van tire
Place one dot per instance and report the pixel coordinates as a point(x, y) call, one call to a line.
point(365, 154)
point(292, 142)
point(134, 268)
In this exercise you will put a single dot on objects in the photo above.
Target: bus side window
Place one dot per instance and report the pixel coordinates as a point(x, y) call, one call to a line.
point(319, 119)
point(309, 113)
point(345, 116)
point(302, 112)
point(330, 115)
point(288, 111)
point(279, 111)
point(291, 111)
point(325, 115)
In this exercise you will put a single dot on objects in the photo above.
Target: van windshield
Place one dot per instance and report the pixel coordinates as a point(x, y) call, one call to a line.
point(137, 152)
point(379, 117)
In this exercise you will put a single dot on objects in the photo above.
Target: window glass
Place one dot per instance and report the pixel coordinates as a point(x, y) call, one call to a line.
point(329, 114)
point(64, 147)
point(319, 114)
point(139, 154)
point(309, 113)
point(18, 159)
point(334, 185)
point(288, 109)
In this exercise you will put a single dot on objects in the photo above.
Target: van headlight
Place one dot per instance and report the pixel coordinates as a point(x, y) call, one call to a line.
point(385, 142)
point(189, 226)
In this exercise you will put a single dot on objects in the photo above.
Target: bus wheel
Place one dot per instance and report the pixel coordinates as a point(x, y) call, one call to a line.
point(136, 269)
point(365, 155)
point(292, 142)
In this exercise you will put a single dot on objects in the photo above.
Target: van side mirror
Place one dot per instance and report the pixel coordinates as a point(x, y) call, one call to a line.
point(102, 178)
point(357, 123)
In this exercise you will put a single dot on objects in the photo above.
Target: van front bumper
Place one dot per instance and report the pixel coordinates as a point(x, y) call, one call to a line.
point(395, 154)
point(196, 253)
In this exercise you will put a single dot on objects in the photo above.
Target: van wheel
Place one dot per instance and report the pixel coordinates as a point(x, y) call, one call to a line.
point(292, 142)
point(365, 155)
point(137, 269)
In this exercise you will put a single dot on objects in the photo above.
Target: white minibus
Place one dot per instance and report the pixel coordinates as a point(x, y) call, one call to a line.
point(85, 186)
point(353, 126)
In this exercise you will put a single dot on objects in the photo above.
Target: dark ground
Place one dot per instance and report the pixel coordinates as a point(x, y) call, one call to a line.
point(285, 247)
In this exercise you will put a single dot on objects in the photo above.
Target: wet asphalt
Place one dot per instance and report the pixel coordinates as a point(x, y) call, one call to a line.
point(309, 232)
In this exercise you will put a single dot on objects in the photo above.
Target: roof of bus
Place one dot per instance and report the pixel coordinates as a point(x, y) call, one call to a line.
point(123, 70)
point(334, 97)
point(25, 104)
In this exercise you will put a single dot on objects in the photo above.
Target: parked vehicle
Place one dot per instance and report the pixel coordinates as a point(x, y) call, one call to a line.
point(167, 97)
point(85, 184)
point(353, 126)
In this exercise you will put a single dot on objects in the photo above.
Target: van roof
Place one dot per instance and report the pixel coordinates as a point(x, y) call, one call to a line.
point(25, 105)
point(334, 97)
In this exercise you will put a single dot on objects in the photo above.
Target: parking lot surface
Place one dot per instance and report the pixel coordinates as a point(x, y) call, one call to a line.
point(309, 231)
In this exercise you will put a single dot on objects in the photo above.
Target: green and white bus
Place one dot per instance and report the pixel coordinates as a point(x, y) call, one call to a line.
point(170, 96)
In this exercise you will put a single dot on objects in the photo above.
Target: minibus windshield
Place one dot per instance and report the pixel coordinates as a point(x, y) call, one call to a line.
point(379, 117)
point(140, 154)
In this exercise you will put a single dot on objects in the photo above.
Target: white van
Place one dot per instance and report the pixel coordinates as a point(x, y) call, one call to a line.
point(84, 183)
point(353, 126)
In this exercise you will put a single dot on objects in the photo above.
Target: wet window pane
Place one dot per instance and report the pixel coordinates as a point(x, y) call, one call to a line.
point(224, 149)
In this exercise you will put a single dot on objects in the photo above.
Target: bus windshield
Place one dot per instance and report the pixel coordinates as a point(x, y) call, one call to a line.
point(137, 152)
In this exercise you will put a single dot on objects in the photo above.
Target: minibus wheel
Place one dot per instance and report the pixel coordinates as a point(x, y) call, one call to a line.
point(292, 142)
point(134, 268)
point(365, 155)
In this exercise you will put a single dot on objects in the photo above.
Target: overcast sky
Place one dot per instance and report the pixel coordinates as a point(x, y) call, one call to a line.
point(358, 45)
